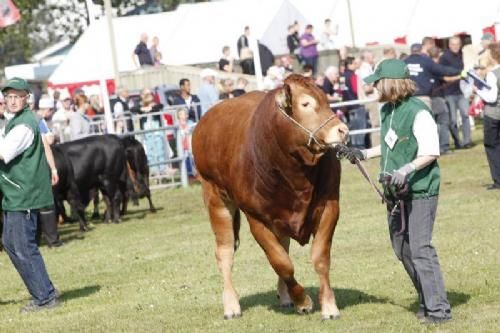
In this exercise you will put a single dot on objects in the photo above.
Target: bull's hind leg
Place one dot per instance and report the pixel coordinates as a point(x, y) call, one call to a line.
point(222, 219)
point(282, 264)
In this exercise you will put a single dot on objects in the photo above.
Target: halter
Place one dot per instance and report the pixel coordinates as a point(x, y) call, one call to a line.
point(311, 134)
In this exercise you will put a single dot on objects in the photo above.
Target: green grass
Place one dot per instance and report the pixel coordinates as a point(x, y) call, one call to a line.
point(157, 272)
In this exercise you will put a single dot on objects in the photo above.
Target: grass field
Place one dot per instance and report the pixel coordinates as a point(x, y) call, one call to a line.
point(157, 272)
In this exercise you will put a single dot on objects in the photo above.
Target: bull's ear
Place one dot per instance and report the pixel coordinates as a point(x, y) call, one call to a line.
point(284, 98)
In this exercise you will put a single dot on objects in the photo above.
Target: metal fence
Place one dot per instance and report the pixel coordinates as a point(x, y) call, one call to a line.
point(167, 145)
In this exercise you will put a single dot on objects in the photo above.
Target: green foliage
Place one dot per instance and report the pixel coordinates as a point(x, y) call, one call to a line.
point(44, 23)
point(15, 46)
point(157, 272)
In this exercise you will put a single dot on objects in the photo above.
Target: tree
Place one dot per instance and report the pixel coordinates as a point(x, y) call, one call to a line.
point(44, 23)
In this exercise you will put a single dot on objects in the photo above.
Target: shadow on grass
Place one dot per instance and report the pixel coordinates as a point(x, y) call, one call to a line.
point(454, 297)
point(131, 215)
point(80, 292)
point(67, 294)
point(344, 297)
point(2, 302)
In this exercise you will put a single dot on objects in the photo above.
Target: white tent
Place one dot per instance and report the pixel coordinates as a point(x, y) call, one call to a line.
point(91, 54)
point(196, 33)
point(383, 21)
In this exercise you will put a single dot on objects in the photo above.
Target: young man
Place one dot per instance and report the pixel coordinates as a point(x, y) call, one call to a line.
point(25, 184)
point(452, 93)
point(409, 150)
point(188, 99)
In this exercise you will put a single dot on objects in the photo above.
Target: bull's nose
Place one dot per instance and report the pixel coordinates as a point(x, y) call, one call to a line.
point(343, 132)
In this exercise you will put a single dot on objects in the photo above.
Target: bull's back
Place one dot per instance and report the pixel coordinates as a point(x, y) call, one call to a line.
point(220, 136)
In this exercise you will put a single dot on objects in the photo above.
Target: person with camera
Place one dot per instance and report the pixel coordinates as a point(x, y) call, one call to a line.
point(409, 150)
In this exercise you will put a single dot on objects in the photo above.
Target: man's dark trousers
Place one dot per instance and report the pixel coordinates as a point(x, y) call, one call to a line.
point(442, 117)
point(492, 146)
point(19, 240)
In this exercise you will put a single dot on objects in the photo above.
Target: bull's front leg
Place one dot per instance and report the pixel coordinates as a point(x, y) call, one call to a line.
point(282, 265)
point(320, 255)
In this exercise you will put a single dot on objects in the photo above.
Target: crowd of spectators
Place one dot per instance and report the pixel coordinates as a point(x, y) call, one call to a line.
point(438, 75)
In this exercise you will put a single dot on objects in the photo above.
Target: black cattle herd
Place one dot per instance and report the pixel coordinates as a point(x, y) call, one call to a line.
point(117, 167)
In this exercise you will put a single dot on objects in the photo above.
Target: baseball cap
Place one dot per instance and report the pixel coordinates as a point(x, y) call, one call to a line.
point(207, 72)
point(417, 47)
point(389, 69)
point(16, 83)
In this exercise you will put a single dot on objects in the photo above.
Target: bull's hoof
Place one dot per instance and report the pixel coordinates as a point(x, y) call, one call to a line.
point(306, 307)
point(286, 304)
point(153, 210)
point(84, 229)
point(330, 317)
point(232, 316)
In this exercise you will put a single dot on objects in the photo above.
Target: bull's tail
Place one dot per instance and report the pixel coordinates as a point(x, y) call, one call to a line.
point(236, 228)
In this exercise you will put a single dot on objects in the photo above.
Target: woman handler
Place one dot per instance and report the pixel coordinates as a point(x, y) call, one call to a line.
point(409, 150)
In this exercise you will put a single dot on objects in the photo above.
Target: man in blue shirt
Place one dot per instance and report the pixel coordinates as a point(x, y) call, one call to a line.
point(452, 93)
point(424, 72)
point(208, 93)
point(188, 99)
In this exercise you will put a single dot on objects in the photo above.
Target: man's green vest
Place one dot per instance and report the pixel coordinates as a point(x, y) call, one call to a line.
point(425, 182)
point(25, 181)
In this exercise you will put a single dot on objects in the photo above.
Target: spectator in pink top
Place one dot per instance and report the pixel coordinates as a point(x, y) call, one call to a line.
point(308, 49)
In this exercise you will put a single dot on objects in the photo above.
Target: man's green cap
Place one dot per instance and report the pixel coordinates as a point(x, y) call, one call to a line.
point(16, 83)
point(389, 69)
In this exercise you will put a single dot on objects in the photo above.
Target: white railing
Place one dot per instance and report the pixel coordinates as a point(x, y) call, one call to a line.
point(358, 102)
point(146, 125)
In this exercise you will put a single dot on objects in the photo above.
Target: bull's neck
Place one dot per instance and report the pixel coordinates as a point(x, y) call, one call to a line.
point(279, 146)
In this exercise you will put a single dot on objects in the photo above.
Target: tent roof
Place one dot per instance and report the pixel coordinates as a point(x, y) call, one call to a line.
point(196, 33)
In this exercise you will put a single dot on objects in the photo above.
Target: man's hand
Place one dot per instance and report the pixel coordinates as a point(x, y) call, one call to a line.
point(54, 177)
point(350, 153)
point(400, 176)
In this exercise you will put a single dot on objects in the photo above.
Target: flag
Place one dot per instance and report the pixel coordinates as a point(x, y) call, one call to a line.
point(9, 14)
point(490, 30)
point(400, 40)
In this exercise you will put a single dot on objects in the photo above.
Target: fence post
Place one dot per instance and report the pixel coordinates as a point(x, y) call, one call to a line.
point(181, 154)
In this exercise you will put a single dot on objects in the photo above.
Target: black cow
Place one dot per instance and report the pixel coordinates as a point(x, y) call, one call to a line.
point(95, 162)
point(138, 172)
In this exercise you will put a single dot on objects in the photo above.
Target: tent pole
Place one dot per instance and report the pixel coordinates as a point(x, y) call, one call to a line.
point(254, 46)
point(111, 32)
point(351, 23)
point(108, 116)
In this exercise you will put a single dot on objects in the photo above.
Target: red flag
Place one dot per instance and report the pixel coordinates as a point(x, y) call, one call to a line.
point(400, 40)
point(9, 14)
point(491, 30)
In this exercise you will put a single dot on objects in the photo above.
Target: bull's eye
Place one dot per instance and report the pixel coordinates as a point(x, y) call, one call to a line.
point(306, 104)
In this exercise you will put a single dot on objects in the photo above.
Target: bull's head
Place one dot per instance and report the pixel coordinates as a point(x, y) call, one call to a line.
point(305, 105)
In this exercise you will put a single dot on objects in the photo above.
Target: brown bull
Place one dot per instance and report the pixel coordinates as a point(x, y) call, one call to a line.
point(268, 154)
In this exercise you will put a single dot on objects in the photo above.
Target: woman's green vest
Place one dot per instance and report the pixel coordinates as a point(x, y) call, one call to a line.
point(425, 182)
